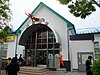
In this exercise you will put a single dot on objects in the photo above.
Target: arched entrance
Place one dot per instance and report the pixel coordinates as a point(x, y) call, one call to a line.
point(39, 44)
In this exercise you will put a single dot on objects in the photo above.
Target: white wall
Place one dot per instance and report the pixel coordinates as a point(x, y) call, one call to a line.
point(11, 48)
point(79, 46)
point(97, 38)
point(20, 50)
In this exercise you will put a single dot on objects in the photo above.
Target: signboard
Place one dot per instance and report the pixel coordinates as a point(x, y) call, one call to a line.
point(11, 38)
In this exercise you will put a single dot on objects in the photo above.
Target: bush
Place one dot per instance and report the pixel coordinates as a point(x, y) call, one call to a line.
point(96, 67)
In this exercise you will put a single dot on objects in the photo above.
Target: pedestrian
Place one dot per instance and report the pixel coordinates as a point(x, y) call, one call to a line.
point(13, 67)
point(88, 65)
point(29, 60)
point(7, 64)
point(16, 58)
point(60, 60)
point(20, 60)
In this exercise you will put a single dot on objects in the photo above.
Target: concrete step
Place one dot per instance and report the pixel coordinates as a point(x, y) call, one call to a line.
point(33, 70)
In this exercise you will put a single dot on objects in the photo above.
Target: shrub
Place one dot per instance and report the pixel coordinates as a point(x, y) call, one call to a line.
point(96, 67)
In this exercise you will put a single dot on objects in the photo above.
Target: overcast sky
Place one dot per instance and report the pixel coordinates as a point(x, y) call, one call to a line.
point(19, 7)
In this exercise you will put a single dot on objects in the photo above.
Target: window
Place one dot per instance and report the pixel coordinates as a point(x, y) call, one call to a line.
point(42, 39)
point(97, 50)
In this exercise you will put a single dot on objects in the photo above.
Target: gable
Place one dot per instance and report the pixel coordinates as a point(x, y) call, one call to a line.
point(69, 24)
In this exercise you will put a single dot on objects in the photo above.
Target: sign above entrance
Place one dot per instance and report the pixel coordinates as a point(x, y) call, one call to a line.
point(11, 38)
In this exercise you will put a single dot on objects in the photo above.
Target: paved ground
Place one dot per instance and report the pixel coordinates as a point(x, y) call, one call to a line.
point(59, 72)
point(65, 73)
point(62, 73)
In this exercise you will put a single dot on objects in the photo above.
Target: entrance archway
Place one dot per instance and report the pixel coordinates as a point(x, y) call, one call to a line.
point(39, 43)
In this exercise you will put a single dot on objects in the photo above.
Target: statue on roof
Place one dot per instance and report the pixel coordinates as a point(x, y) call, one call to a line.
point(35, 19)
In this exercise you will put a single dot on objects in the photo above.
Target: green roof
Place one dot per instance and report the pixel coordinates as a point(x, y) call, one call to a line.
point(69, 24)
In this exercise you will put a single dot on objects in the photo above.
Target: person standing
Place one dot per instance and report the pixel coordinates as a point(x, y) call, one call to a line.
point(88, 65)
point(60, 60)
point(13, 67)
point(20, 60)
point(7, 64)
point(16, 57)
point(29, 60)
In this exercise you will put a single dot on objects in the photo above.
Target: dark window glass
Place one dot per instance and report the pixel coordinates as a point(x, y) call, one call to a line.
point(33, 41)
point(50, 46)
point(50, 34)
point(44, 46)
point(38, 40)
point(32, 46)
point(33, 35)
point(44, 40)
point(54, 40)
point(38, 46)
point(44, 34)
point(56, 45)
point(50, 40)
point(38, 35)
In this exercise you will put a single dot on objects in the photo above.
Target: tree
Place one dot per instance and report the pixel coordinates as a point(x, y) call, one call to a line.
point(80, 8)
point(5, 17)
point(4, 33)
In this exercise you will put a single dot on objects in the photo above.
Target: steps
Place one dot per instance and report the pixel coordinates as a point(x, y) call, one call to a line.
point(33, 70)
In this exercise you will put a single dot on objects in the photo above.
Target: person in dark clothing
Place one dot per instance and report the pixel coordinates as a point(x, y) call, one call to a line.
point(16, 57)
point(88, 65)
point(13, 67)
point(20, 60)
point(7, 64)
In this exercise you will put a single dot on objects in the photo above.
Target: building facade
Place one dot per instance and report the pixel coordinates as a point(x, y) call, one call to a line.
point(39, 40)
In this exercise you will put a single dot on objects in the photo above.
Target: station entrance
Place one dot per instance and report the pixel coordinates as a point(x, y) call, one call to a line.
point(39, 45)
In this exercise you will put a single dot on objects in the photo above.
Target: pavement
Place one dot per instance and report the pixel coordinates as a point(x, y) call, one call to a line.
point(61, 72)
point(58, 72)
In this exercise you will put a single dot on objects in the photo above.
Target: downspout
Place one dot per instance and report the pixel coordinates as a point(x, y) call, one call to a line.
point(68, 51)
point(16, 43)
point(68, 44)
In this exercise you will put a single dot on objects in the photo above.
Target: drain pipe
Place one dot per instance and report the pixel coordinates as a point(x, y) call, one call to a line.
point(16, 43)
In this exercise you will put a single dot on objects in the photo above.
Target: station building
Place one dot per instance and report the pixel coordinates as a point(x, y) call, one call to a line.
point(57, 37)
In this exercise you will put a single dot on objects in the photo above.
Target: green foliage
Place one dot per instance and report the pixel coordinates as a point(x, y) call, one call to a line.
point(4, 32)
point(5, 13)
point(5, 17)
point(64, 1)
point(96, 67)
point(80, 8)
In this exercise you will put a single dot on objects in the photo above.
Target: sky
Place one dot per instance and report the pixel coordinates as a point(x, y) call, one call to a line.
point(19, 7)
